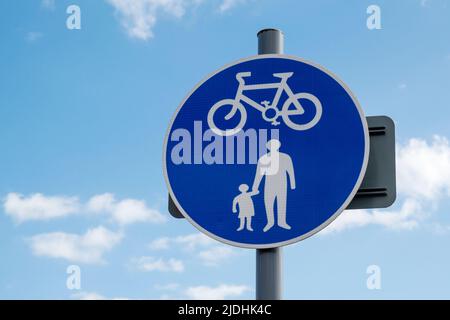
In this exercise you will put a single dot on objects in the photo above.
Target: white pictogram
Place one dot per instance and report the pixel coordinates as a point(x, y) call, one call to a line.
point(270, 111)
point(277, 170)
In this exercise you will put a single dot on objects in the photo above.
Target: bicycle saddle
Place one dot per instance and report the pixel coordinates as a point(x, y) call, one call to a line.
point(283, 75)
point(241, 75)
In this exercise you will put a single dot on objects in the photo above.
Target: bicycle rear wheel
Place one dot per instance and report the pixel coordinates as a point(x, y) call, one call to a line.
point(227, 103)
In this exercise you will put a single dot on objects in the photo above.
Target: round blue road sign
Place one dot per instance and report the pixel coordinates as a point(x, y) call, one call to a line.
point(266, 151)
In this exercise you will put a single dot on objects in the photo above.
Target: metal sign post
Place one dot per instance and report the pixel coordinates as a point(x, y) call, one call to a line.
point(269, 261)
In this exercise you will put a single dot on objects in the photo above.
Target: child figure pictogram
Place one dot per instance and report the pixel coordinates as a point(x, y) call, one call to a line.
point(246, 209)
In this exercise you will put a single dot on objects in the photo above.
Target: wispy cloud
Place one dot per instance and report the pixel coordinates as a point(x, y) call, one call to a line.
point(92, 296)
point(48, 4)
point(33, 36)
point(227, 5)
point(167, 287)
point(219, 292)
point(88, 296)
point(160, 243)
point(39, 207)
point(126, 211)
point(440, 229)
point(402, 86)
point(139, 17)
point(216, 255)
point(208, 251)
point(423, 181)
point(406, 218)
point(149, 264)
point(189, 242)
point(87, 248)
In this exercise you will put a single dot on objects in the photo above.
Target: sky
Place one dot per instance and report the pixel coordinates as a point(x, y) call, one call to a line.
point(83, 114)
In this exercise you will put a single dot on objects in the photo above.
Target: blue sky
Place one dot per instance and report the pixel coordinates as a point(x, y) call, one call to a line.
point(83, 115)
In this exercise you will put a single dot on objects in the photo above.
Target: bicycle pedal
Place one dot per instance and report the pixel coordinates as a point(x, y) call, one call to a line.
point(265, 103)
point(275, 123)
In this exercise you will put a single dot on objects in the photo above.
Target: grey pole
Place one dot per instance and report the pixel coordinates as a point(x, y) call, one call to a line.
point(270, 41)
point(269, 261)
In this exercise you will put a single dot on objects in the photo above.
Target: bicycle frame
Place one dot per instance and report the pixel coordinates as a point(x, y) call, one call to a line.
point(280, 86)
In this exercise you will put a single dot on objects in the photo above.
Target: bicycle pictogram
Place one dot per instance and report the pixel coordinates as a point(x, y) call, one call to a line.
point(270, 111)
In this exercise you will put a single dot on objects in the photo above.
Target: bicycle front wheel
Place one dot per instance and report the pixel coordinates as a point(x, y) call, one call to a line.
point(236, 107)
point(286, 114)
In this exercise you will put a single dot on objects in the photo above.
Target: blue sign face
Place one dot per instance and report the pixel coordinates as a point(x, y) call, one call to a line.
point(266, 151)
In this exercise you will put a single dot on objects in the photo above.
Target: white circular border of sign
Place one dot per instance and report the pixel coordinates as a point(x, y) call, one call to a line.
point(318, 228)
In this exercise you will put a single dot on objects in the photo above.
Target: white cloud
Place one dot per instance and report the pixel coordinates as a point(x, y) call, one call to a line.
point(101, 203)
point(423, 168)
point(216, 255)
point(407, 218)
point(440, 229)
point(160, 243)
point(209, 251)
point(188, 242)
point(33, 36)
point(88, 248)
point(423, 180)
point(230, 4)
point(153, 264)
point(88, 296)
point(193, 241)
point(220, 292)
point(131, 211)
point(139, 17)
point(38, 207)
point(48, 4)
point(92, 296)
point(167, 287)
point(125, 211)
